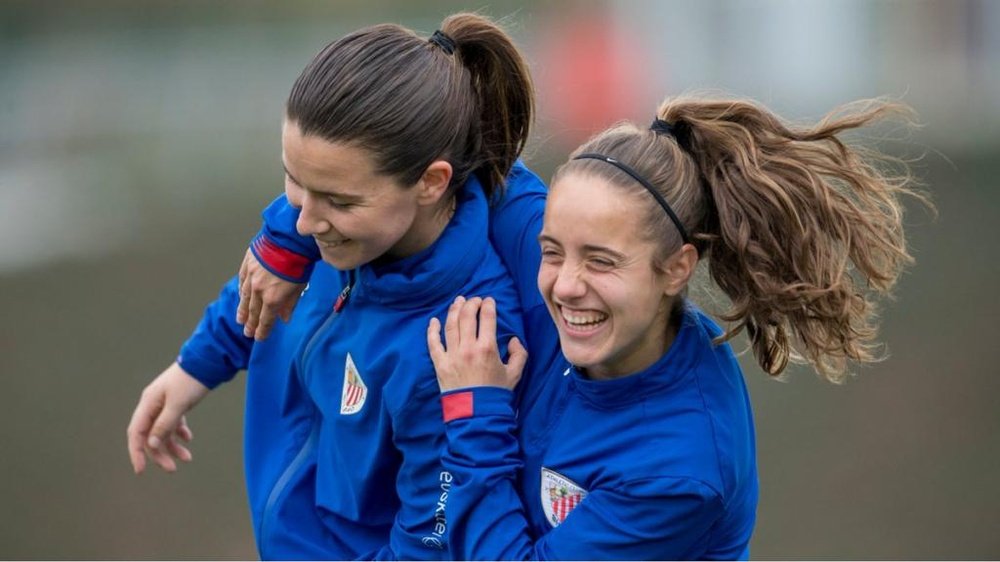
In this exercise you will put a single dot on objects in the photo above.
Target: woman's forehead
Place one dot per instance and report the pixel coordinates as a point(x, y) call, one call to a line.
point(325, 166)
point(589, 208)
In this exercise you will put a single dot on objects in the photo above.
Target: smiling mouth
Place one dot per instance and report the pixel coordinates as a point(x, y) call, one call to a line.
point(582, 320)
point(332, 245)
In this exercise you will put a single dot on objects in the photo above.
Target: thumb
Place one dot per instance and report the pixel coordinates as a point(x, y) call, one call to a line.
point(517, 357)
point(165, 424)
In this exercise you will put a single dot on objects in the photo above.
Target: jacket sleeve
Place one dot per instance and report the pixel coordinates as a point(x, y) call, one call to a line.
point(653, 518)
point(278, 246)
point(421, 529)
point(515, 223)
point(217, 349)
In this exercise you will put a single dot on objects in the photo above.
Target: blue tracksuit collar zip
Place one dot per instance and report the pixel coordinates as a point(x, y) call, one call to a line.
point(439, 270)
point(662, 375)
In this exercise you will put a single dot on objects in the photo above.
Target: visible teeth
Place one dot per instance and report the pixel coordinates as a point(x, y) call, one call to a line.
point(584, 319)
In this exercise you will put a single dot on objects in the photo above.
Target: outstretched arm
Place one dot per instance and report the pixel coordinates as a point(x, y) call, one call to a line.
point(212, 355)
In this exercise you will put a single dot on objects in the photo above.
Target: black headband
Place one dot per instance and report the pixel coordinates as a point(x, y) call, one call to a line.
point(446, 43)
point(649, 187)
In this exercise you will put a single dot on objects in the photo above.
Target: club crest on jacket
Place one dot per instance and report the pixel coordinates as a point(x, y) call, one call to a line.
point(355, 391)
point(560, 496)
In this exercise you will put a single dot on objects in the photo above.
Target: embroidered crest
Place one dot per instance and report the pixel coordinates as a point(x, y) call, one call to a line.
point(355, 391)
point(560, 495)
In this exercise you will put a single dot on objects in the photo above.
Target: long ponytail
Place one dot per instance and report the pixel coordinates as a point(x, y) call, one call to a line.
point(801, 231)
point(504, 92)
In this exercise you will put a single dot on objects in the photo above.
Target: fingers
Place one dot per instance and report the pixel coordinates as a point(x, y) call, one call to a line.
point(264, 297)
point(164, 448)
point(243, 309)
point(162, 452)
point(137, 433)
point(160, 456)
point(451, 335)
point(243, 270)
point(434, 345)
point(178, 451)
point(158, 428)
point(253, 314)
point(488, 322)
point(184, 432)
point(265, 323)
point(160, 437)
point(467, 321)
point(165, 425)
point(469, 356)
point(516, 360)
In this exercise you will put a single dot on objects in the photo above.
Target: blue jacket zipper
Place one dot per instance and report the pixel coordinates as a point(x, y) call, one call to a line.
point(307, 447)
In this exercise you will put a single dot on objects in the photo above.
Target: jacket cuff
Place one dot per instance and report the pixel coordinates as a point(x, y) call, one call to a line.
point(205, 372)
point(477, 402)
point(283, 263)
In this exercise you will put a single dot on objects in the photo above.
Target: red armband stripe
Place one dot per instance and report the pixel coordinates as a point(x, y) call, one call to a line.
point(457, 405)
point(286, 262)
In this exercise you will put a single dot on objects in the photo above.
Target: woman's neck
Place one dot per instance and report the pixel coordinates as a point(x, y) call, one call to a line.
point(427, 227)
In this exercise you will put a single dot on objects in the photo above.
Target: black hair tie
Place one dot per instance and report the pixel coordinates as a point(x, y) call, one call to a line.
point(679, 130)
point(661, 127)
point(446, 43)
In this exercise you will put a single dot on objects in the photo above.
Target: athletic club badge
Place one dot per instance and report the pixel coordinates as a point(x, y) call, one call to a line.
point(355, 391)
point(560, 495)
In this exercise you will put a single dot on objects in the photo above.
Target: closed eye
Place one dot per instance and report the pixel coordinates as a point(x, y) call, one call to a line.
point(602, 264)
point(550, 255)
point(338, 204)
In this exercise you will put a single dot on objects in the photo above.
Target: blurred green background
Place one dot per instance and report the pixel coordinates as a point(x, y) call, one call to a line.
point(139, 140)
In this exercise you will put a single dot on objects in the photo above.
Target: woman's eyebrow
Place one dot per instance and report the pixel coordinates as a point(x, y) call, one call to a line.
point(334, 193)
point(587, 247)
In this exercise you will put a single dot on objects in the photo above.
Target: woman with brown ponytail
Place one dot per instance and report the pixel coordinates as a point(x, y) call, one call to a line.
point(639, 441)
point(392, 146)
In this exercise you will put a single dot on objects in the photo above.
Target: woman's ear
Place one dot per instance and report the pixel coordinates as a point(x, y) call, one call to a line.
point(433, 184)
point(678, 269)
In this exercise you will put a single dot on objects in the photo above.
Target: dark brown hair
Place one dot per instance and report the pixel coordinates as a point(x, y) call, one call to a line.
point(410, 102)
point(801, 231)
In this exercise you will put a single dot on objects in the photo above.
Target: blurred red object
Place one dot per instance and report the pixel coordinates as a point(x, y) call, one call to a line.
point(591, 74)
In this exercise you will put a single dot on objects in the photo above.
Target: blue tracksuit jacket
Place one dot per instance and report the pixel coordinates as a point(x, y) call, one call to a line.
point(656, 465)
point(343, 425)
point(515, 221)
point(664, 458)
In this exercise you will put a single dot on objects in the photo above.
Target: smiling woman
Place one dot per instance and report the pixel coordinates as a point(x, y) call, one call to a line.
point(638, 442)
point(596, 278)
point(392, 146)
point(354, 212)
